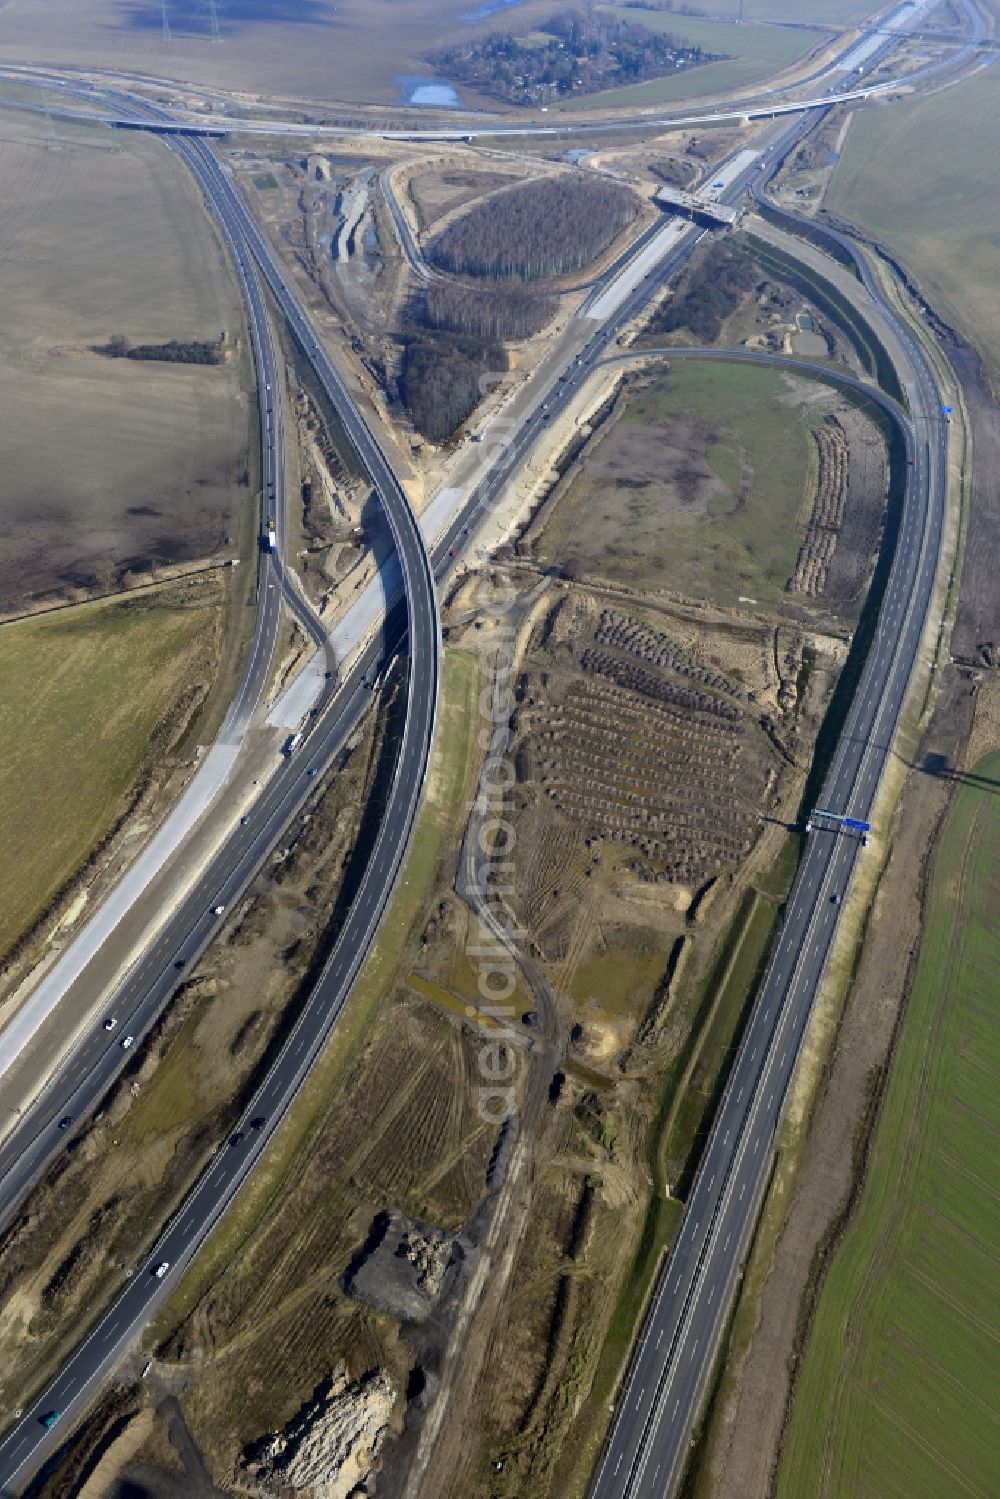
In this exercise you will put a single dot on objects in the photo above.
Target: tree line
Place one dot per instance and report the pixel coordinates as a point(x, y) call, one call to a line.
point(489, 313)
point(543, 229)
point(192, 351)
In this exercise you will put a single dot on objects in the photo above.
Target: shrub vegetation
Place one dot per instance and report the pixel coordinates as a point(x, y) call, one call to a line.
point(439, 379)
point(193, 351)
point(709, 291)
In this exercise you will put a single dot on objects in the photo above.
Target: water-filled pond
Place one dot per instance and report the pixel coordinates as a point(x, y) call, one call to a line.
point(433, 93)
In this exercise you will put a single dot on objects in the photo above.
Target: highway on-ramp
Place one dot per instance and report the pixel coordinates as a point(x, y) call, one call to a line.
point(26, 1029)
point(98, 1061)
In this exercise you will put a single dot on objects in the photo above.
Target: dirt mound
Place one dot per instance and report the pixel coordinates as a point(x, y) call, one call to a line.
point(329, 1449)
point(403, 1267)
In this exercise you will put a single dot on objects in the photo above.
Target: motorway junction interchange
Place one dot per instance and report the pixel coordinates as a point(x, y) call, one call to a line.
point(483, 502)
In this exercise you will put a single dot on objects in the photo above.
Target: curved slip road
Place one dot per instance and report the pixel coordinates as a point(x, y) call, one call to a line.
point(217, 765)
point(100, 1060)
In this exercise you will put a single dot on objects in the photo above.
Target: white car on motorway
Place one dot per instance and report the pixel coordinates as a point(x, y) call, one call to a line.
point(110, 1023)
point(162, 1269)
point(126, 1042)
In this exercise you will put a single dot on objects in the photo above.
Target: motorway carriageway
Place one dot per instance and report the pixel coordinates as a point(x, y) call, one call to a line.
point(71, 1389)
point(661, 1397)
point(217, 765)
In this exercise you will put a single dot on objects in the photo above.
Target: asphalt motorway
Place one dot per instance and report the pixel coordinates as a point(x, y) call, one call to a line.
point(29, 1441)
point(661, 1397)
point(138, 999)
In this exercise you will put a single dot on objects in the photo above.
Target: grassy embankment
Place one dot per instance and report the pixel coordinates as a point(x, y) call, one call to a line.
point(87, 694)
point(750, 542)
point(898, 1393)
point(925, 183)
point(750, 53)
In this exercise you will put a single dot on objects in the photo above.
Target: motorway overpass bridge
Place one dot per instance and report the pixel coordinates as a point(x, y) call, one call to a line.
point(698, 207)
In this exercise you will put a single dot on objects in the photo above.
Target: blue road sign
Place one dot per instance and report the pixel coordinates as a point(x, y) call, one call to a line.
point(947, 410)
point(855, 822)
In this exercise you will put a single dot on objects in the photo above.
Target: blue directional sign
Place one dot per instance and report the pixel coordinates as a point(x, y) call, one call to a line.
point(843, 820)
point(947, 410)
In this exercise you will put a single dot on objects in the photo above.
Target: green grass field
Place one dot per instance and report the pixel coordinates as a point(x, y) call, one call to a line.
point(899, 1393)
point(921, 179)
point(84, 692)
point(653, 537)
point(750, 53)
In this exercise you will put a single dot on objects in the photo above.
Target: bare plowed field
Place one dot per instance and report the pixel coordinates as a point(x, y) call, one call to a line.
point(110, 464)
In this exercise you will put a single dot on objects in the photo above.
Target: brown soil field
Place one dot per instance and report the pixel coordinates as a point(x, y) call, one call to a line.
point(313, 49)
point(111, 464)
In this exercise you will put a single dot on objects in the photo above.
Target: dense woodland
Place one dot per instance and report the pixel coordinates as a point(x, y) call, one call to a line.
point(486, 312)
point(544, 228)
point(439, 378)
point(195, 351)
point(711, 288)
point(577, 52)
